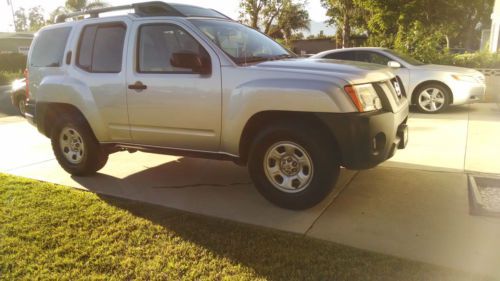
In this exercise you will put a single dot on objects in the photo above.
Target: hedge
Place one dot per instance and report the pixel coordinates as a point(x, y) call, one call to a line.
point(12, 62)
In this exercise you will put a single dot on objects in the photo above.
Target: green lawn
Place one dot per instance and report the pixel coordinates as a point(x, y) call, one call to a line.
point(54, 232)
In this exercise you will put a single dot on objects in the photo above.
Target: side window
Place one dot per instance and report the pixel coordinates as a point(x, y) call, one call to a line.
point(101, 48)
point(341, 56)
point(372, 57)
point(158, 43)
point(48, 48)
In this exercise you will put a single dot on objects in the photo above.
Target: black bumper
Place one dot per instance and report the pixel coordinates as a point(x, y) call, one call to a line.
point(367, 139)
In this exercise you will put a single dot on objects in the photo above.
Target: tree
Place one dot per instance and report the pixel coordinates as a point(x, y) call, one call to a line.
point(21, 20)
point(391, 21)
point(250, 10)
point(31, 20)
point(36, 18)
point(82, 5)
point(346, 15)
point(277, 18)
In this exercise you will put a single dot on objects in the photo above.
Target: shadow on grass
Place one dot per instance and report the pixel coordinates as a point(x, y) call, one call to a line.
point(277, 255)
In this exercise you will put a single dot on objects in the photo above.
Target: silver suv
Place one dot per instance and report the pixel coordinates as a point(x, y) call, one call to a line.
point(188, 81)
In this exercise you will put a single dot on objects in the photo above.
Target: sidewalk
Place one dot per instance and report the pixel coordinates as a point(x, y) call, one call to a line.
point(414, 206)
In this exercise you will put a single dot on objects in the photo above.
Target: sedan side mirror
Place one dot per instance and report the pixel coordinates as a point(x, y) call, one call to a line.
point(393, 64)
point(193, 61)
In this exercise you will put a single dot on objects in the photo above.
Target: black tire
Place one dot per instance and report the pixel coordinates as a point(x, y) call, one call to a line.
point(21, 108)
point(419, 92)
point(93, 157)
point(321, 151)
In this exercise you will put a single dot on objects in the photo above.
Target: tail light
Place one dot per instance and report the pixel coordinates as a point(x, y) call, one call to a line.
point(27, 79)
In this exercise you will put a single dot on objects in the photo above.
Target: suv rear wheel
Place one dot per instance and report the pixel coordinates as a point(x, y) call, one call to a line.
point(294, 167)
point(76, 148)
point(21, 105)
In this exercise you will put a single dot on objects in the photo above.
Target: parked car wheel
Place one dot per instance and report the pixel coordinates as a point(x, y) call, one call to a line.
point(76, 148)
point(292, 166)
point(21, 105)
point(432, 98)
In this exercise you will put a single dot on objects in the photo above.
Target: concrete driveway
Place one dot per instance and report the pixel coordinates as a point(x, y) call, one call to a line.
point(414, 206)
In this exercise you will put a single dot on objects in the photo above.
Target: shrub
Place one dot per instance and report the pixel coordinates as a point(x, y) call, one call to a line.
point(8, 77)
point(12, 62)
point(477, 60)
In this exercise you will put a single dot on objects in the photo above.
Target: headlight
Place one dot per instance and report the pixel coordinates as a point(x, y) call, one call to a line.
point(364, 97)
point(465, 78)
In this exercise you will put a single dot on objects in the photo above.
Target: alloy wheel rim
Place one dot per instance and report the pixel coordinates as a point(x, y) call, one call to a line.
point(288, 167)
point(72, 146)
point(431, 99)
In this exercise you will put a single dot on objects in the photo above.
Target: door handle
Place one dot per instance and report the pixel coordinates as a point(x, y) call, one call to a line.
point(137, 86)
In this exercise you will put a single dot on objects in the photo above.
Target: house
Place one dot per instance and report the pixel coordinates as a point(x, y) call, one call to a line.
point(495, 28)
point(18, 42)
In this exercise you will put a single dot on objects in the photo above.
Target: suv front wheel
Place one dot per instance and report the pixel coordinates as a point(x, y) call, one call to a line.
point(76, 148)
point(294, 167)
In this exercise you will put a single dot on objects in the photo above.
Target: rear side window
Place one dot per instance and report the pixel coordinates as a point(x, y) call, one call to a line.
point(341, 56)
point(101, 48)
point(48, 48)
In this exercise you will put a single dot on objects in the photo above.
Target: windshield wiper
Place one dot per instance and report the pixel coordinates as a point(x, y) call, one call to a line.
point(252, 59)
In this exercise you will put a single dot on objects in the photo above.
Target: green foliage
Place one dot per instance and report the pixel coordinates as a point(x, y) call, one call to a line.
point(80, 5)
point(347, 16)
point(7, 77)
point(50, 232)
point(454, 20)
point(476, 60)
point(31, 20)
point(12, 62)
point(422, 43)
point(277, 18)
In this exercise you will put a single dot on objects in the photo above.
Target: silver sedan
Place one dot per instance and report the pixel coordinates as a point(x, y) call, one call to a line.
point(431, 87)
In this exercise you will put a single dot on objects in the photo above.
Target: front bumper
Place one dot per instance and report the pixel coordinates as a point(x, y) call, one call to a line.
point(367, 139)
point(464, 92)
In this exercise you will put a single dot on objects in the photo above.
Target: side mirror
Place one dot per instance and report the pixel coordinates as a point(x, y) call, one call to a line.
point(195, 62)
point(393, 64)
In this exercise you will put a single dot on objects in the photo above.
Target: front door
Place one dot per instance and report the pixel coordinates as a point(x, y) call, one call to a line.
point(169, 105)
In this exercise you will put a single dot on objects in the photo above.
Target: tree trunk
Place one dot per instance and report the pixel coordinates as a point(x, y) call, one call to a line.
point(346, 32)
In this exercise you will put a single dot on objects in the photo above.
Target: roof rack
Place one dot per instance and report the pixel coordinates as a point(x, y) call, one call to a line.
point(145, 9)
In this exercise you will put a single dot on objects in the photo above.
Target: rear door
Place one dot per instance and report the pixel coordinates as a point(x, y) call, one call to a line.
point(99, 70)
point(173, 107)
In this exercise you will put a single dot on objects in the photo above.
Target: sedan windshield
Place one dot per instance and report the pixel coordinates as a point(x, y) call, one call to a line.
point(243, 44)
point(405, 58)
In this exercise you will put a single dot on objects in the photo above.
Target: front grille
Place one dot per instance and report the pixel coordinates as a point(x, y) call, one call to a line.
point(390, 95)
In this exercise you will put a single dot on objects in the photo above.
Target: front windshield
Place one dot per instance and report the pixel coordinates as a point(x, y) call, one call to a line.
point(243, 44)
point(405, 57)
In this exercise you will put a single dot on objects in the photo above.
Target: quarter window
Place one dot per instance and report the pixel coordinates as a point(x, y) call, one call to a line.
point(48, 49)
point(157, 45)
point(101, 48)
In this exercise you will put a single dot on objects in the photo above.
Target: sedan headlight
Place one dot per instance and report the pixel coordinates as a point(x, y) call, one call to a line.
point(364, 97)
point(465, 78)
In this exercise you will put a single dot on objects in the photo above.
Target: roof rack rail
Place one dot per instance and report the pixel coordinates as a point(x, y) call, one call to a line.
point(145, 9)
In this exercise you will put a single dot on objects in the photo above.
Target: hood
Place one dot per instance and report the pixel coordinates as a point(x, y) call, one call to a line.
point(447, 68)
point(352, 72)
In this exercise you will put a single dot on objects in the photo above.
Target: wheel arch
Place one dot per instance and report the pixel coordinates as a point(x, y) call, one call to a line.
point(48, 113)
point(264, 119)
point(418, 88)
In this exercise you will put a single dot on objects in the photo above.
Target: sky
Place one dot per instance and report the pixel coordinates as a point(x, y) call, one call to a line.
point(228, 7)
